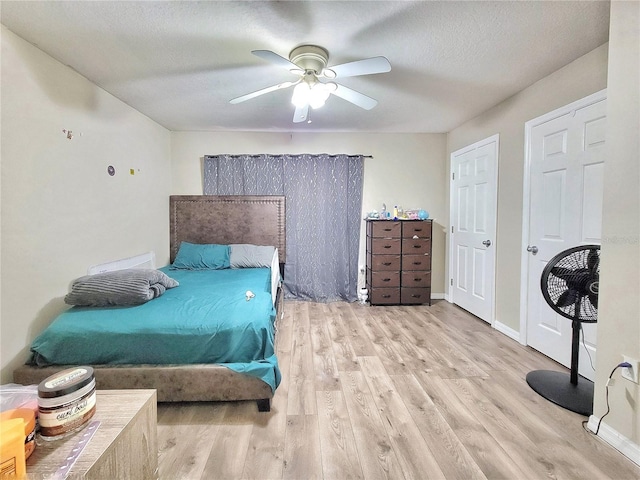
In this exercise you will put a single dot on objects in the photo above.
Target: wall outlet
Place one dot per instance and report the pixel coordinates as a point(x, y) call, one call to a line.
point(631, 374)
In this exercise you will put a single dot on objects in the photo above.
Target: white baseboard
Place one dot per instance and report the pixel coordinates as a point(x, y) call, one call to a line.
point(615, 439)
point(438, 296)
point(508, 331)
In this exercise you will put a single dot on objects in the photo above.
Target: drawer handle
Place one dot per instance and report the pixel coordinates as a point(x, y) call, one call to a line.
point(415, 296)
point(386, 264)
point(417, 246)
point(387, 229)
point(386, 296)
point(417, 279)
point(387, 246)
point(386, 279)
point(417, 263)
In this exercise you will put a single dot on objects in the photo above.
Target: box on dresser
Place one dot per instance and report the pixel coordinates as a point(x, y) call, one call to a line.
point(399, 262)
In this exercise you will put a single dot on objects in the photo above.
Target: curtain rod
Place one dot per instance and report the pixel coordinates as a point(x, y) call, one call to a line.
point(255, 155)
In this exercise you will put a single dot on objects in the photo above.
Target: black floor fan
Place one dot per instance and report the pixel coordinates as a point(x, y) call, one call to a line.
point(569, 284)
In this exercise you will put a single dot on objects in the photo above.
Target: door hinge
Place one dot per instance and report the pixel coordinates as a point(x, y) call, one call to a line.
point(451, 228)
point(452, 282)
point(453, 176)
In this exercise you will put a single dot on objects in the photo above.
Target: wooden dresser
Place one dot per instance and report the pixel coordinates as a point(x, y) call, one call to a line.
point(125, 445)
point(399, 262)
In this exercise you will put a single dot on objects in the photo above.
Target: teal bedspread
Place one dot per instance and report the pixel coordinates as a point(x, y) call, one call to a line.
point(206, 319)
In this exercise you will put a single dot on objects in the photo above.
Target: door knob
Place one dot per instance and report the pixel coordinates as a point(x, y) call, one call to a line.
point(487, 243)
point(533, 249)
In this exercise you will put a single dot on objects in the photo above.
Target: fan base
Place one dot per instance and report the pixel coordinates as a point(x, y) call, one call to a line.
point(310, 57)
point(557, 388)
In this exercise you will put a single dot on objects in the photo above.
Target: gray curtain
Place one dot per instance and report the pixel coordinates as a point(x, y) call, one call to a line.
point(324, 204)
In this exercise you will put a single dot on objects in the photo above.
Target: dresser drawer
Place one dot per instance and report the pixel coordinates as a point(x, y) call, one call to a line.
point(411, 246)
point(385, 296)
point(384, 246)
point(418, 229)
point(416, 279)
point(385, 279)
point(410, 296)
point(386, 229)
point(416, 262)
point(385, 262)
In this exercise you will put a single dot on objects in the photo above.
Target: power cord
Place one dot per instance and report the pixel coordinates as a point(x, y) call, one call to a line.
point(584, 344)
point(620, 365)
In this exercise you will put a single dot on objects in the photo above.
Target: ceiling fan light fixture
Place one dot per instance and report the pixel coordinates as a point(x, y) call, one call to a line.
point(328, 73)
point(319, 95)
point(314, 95)
point(301, 94)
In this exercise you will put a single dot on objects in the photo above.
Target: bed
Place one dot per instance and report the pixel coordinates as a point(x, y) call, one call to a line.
point(196, 219)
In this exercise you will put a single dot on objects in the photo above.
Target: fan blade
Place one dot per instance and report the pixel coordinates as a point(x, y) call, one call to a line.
point(257, 93)
point(593, 261)
point(276, 59)
point(567, 298)
point(563, 273)
point(301, 113)
point(367, 66)
point(354, 97)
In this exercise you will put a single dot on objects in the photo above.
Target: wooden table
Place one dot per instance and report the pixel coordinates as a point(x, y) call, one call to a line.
point(125, 445)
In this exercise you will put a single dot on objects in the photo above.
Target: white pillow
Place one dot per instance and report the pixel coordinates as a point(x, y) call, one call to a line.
point(244, 255)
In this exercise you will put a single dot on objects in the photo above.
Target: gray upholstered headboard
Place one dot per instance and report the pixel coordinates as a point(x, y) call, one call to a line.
point(227, 219)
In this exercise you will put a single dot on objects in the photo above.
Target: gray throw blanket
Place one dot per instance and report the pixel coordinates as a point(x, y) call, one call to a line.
point(119, 288)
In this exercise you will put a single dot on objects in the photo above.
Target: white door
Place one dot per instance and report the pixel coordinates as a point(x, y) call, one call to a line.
point(473, 227)
point(566, 152)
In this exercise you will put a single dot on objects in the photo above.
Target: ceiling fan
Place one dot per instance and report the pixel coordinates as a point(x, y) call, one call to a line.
point(309, 62)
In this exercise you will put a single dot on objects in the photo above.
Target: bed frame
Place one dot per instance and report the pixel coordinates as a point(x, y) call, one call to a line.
point(258, 220)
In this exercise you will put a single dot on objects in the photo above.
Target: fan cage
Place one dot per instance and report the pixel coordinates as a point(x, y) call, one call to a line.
point(577, 260)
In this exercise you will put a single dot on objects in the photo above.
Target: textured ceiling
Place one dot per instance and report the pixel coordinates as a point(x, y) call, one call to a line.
point(180, 62)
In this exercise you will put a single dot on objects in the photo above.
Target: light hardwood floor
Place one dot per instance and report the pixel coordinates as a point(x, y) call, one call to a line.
point(389, 392)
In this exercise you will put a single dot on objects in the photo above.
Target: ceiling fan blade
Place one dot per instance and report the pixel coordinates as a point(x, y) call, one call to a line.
point(354, 97)
point(301, 114)
point(276, 59)
point(257, 93)
point(367, 66)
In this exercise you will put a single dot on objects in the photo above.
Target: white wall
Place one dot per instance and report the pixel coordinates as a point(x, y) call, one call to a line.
point(584, 76)
point(406, 169)
point(615, 66)
point(61, 211)
point(619, 304)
